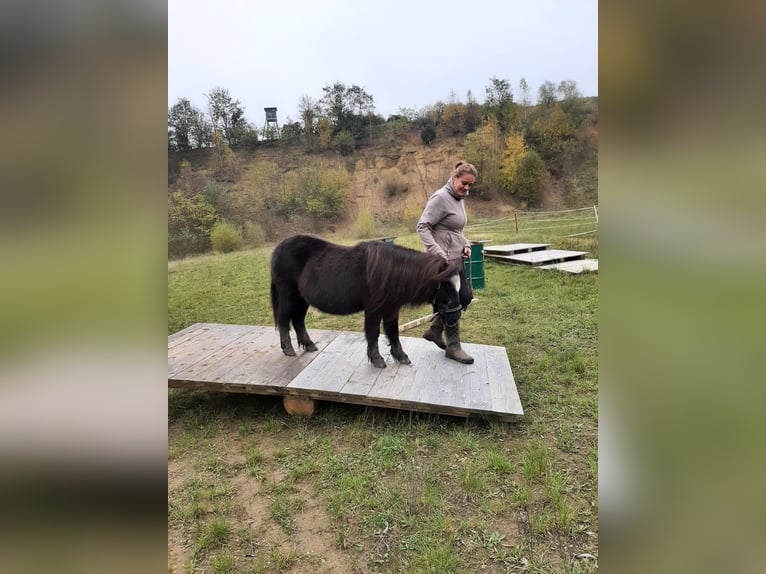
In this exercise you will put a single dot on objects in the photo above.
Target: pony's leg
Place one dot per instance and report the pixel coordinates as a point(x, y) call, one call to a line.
point(283, 315)
point(300, 307)
point(371, 333)
point(391, 327)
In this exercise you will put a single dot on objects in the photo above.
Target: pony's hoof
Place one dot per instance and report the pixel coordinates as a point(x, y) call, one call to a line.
point(379, 363)
point(311, 347)
point(404, 361)
point(289, 352)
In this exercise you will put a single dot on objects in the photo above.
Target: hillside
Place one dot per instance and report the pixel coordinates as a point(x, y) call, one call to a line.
point(417, 169)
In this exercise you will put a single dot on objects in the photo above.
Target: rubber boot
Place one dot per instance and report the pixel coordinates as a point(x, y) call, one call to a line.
point(435, 332)
point(454, 350)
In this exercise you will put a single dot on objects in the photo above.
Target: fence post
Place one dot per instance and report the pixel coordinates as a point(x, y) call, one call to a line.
point(516, 221)
point(595, 211)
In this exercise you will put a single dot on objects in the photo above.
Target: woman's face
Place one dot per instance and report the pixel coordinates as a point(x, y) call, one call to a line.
point(463, 184)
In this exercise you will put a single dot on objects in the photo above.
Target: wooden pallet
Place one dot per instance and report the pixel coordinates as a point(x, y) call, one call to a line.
point(513, 248)
point(248, 359)
point(537, 258)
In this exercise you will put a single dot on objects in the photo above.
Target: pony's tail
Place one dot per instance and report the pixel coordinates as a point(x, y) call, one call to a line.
point(274, 301)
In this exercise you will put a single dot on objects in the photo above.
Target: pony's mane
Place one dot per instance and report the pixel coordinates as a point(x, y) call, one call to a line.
point(401, 274)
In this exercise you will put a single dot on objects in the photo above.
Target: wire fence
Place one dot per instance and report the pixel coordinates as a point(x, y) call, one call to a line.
point(563, 223)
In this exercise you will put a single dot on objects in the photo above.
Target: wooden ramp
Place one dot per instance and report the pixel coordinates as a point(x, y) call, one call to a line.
point(248, 359)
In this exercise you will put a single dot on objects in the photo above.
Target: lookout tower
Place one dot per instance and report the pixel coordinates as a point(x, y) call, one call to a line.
point(271, 127)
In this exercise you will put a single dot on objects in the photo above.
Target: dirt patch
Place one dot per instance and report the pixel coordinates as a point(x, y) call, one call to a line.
point(315, 538)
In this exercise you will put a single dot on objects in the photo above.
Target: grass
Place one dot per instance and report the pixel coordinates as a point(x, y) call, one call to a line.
point(367, 489)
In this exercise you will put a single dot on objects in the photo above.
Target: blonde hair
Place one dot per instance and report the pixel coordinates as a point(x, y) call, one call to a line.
point(462, 167)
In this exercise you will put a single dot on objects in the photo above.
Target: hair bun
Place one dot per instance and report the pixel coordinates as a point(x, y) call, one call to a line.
point(458, 164)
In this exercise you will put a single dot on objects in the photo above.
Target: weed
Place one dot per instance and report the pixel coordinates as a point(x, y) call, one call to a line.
point(215, 534)
point(222, 562)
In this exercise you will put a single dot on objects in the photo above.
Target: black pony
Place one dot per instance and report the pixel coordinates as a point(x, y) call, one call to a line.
point(375, 277)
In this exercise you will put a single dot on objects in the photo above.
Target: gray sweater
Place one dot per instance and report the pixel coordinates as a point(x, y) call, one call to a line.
point(441, 225)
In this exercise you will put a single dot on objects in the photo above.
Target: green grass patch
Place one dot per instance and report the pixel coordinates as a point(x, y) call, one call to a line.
point(397, 491)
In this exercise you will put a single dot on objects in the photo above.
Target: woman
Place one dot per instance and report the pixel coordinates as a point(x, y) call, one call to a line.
point(441, 230)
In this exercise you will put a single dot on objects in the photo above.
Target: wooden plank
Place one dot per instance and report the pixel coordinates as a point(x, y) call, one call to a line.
point(330, 372)
point(185, 335)
point(502, 387)
point(220, 365)
point(268, 368)
point(213, 336)
point(397, 381)
point(476, 387)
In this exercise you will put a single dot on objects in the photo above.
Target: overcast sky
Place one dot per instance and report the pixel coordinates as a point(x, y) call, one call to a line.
point(404, 53)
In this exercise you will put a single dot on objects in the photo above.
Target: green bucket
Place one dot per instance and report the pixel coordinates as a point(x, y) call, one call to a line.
point(474, 267)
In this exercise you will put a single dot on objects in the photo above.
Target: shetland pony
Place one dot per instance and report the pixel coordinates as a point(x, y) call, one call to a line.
point(375, 277)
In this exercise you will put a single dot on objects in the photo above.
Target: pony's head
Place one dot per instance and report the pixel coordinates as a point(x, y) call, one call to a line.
point(447, 300)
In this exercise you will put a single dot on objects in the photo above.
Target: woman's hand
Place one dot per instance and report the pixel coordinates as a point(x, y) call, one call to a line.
point(467, 251)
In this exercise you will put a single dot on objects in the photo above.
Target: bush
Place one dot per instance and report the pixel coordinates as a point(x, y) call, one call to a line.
point(393, 182)
point(343, 142)
point(190, 221)
point(181, 243)
point(253, 234)
point(427, 133)
point(364, 227)
point(225, 237)
point(411, 216)
point(530, 178)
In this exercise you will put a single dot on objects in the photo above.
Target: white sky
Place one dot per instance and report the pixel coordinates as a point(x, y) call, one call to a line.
point(404, 53)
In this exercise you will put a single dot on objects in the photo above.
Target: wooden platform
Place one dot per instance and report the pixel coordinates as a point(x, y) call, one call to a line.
point(577, 266)
point(247, 359)
point(535, 258)
point(514, 248)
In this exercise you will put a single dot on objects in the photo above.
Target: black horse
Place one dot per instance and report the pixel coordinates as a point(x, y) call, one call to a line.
point(375, 277)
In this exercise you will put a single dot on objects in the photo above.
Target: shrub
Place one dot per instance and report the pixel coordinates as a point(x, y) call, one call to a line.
point(212, 193)
point(225, 237)
point(323, 192)
point(190, 221)
point(411, 216)
point(343, 142)
point(253, 234)
point(530, 177)
point(427, 133)
point(364, 226)
point(393, 182)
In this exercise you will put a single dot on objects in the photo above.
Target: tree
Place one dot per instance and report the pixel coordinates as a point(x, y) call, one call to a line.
point(227, 115)
point(546, 94)
point(525, 101)
point(552, 134)
point(181, 118)
point(324, 133)
point(499, 104)
point(227, 166)
point(571, 101)
point(348, 108)
point(308, 110)
point(483, 148)
point(529, 179)
point(201, 130)
point(513, 155)
point(472, 115)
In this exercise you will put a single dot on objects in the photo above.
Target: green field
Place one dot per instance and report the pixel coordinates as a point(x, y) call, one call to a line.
point(361, 489)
